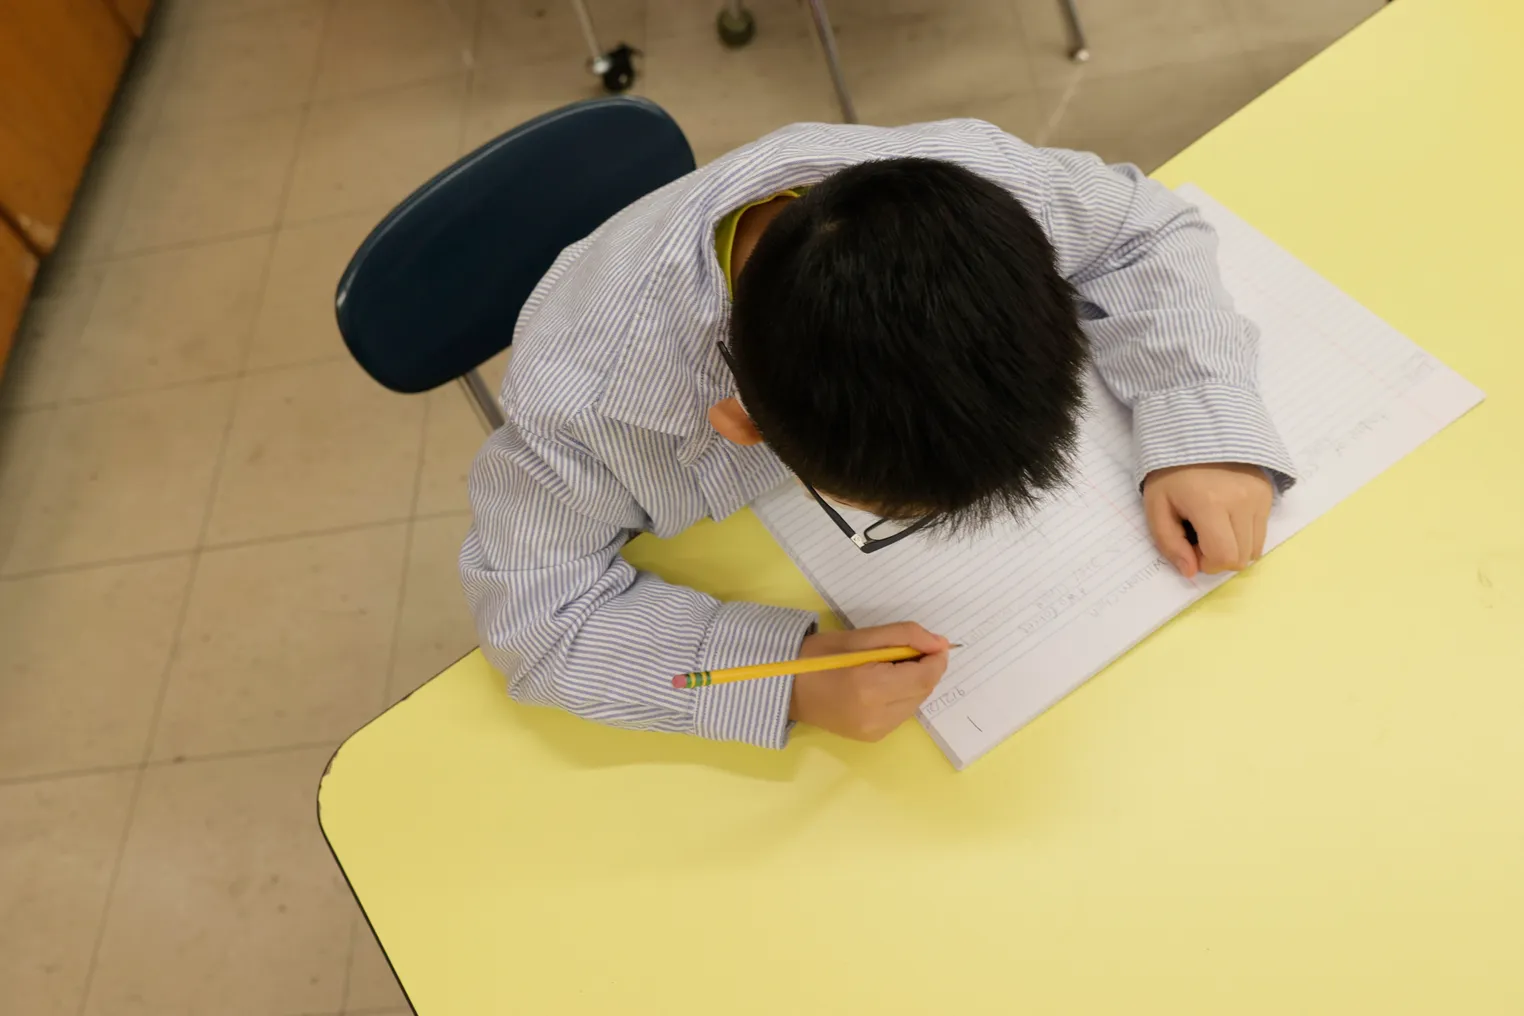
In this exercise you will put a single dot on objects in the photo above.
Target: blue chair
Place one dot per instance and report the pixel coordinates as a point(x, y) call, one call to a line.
point(436, 288)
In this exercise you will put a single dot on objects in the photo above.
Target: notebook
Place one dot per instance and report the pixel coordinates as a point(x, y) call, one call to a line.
point(1043, 604)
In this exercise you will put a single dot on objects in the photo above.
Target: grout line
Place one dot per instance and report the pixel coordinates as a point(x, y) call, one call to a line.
point(166, 763)
point(216, 478)
point(349, 956)
point(171, 246)
point(219, 545)
point(305, 534)
point(1029, 53)
point(407, 563)
point(110, 562)
point(236, 753)
point(1062, 107)
point(88, 981)
point(471, 77)
point(69, 774)
point(27, 481)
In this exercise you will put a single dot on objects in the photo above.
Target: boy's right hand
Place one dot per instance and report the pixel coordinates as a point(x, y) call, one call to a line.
point(866, 703)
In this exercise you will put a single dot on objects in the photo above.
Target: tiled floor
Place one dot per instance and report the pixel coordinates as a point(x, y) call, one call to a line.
point(222, 548)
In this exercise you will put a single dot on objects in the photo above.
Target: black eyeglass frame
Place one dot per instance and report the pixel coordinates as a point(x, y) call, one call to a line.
point(864, 541)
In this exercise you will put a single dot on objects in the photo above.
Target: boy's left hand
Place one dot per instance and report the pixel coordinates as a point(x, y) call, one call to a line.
point(1228, 504)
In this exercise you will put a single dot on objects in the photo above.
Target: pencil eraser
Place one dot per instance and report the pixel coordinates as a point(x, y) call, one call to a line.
point(680, 681)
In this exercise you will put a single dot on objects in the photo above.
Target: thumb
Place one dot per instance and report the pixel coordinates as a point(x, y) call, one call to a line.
point(905, 633)
point(1168, 531)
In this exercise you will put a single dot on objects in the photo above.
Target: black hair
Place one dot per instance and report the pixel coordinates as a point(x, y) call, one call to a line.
point(903, 340)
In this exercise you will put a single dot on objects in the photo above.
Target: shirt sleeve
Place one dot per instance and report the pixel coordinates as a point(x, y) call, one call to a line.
point(573, 625)
point(1164, 334)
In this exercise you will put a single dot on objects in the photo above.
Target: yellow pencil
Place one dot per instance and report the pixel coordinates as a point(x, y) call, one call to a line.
point(839, 661)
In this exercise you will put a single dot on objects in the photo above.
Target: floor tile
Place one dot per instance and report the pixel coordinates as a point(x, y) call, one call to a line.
point(123, 478)
point(896, 67)
point(694, 20)
point(227, 900)
point(1266, 22)
point(379, 44)
point(435, 628)
point(100, 204)
point(255, 64)
point(296, 318)
point(1125, 36)
point(24, 435)
point(727, 98)
point(372, 985)
point(210, 180)
point(859, 13)
point(47, 339)
point(538, 31)
point(140, 97)
point(1148, 116)
point(175, 316)
point(358, 154)
point(58, 845)
point(180, 15)
point(506, 93)
point(64, 703)
point(284, 643)
point(316, 447)
point(1022, 114)
point(1272, 63)
point(453, 434)
point(452, 437)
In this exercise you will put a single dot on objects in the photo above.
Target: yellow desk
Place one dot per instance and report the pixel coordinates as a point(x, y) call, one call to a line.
point(1306, 795)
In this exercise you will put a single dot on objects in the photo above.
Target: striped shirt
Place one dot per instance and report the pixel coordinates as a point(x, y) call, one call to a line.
point(614, 369)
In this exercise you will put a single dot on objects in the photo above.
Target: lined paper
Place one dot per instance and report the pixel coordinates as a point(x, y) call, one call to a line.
point(1043, 604)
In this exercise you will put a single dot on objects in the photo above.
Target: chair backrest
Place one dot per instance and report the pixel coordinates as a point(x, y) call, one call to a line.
point(436, 288)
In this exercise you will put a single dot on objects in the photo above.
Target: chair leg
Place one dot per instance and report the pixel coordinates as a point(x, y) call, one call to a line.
point(833, 60)
point(616, 67)
point(595, 51)
point(487, 409)
point(1079, 50)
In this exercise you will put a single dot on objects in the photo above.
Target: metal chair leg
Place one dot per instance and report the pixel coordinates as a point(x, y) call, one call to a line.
point(482, 400)
point(833, 60)
point(616, 67)
point(1079, 50)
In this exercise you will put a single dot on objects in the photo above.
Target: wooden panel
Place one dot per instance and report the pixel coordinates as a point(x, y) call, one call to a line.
point(134, 12)
point(59, 64)
point(17, 267)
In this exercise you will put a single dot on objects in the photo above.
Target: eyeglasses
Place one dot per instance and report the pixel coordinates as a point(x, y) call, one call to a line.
point(878, 535)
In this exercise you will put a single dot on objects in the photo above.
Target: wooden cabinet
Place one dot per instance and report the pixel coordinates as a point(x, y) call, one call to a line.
point(17, 266)
point(59, 65)
point(60, 61)
point(134, 13)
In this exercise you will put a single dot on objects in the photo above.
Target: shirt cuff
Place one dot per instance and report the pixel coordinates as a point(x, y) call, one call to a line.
point(1210, 423)
point(752, 711)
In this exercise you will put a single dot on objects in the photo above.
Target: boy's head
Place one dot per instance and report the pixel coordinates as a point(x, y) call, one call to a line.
point(903, 341)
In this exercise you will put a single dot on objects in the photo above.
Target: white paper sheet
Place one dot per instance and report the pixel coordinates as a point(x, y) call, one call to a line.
point(1043, 605)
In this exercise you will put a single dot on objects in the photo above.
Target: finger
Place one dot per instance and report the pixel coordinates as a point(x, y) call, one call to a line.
point(1219, 544)
point(905, 633)
point(1243, 535)
point(1168, 531)
point(1261, 523)
point(912, 679)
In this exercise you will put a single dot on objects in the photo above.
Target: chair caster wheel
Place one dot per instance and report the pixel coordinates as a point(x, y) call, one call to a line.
point(617, 68)
point(1080, 55)
point(735, 32)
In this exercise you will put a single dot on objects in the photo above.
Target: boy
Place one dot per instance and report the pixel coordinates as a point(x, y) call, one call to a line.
point(900, 319)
